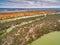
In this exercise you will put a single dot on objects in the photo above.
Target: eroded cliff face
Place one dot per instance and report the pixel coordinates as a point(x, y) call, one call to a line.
point(30, 30)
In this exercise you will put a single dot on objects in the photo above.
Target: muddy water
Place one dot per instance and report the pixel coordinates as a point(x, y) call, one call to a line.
point(52, 38)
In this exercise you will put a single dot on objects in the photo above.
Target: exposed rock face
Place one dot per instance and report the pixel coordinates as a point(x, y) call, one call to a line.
point(25, 34)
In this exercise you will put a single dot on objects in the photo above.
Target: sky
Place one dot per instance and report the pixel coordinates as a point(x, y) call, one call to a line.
point(29, 3)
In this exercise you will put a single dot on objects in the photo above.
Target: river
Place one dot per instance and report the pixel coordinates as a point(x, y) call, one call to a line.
point(52, 38)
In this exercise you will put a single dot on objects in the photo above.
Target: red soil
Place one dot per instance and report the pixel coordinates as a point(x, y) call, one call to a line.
point(24, 13)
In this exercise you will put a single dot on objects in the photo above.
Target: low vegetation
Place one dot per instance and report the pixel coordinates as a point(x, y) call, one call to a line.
point(26, 30)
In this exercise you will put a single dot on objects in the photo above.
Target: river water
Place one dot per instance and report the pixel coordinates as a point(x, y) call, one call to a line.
point(52, 38)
